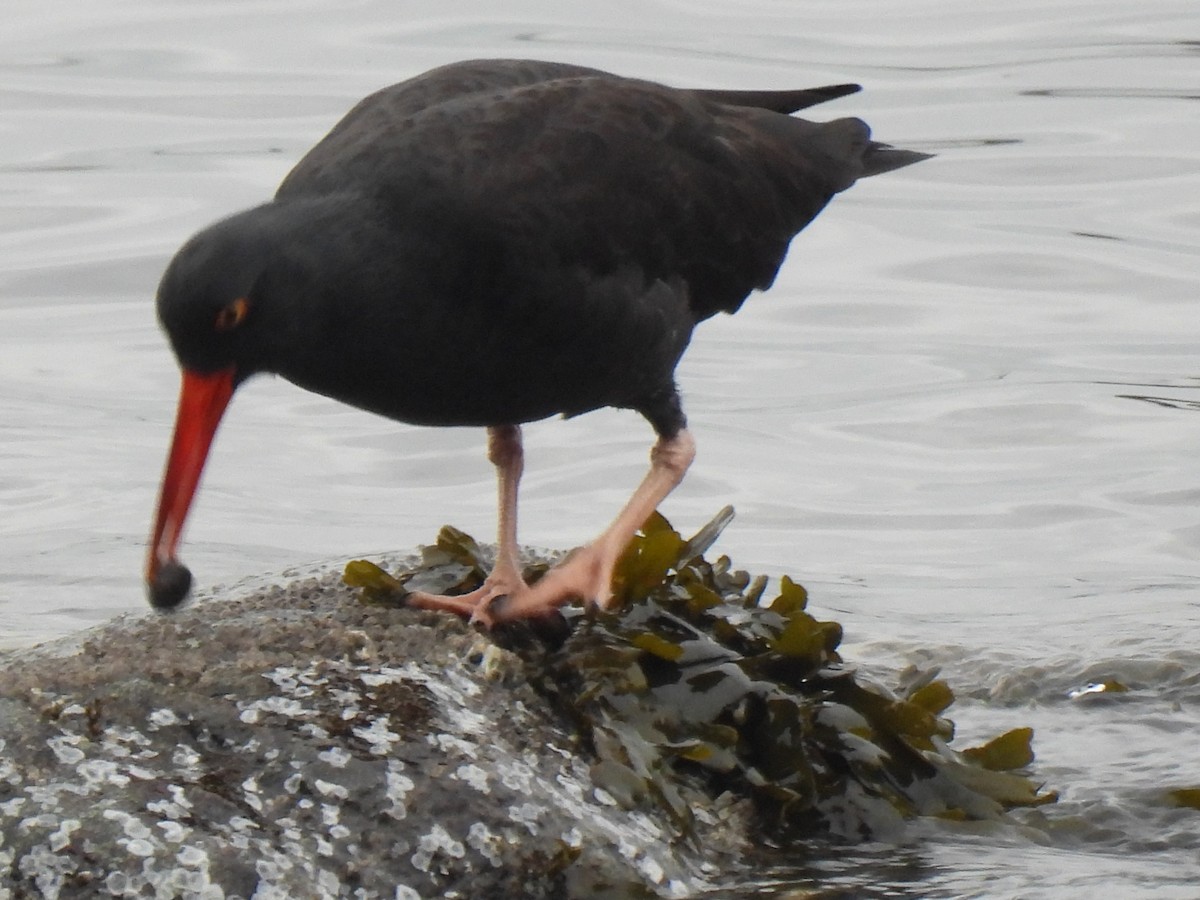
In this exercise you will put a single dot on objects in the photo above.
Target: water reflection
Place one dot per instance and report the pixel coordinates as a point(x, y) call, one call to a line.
point(1166, 402)
point(1115, 93)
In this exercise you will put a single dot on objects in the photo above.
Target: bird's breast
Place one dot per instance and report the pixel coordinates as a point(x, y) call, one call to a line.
point(545, 346)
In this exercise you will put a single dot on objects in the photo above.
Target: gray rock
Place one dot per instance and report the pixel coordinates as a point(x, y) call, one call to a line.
point(297, 744)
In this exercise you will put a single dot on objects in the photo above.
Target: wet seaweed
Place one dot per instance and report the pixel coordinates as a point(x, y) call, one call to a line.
point(1187, 797)
point(694, 677)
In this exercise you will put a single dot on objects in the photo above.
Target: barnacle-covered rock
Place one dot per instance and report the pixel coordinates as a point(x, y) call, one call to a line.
point(299, 744)
point(320, 740)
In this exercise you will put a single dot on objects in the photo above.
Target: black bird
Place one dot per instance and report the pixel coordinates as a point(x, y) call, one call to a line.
point(492, 243)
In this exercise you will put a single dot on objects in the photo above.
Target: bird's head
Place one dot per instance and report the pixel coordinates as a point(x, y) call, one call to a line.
point(215, 294)
point(214, 303)
point(294, 288)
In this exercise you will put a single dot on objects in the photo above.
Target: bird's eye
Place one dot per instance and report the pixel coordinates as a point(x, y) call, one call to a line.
point(232, 314)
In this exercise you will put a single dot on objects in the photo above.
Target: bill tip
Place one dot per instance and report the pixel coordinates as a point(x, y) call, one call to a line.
point(169, 586)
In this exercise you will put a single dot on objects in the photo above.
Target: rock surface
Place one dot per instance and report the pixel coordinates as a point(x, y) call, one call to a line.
point(296, 744)
point(310, 741)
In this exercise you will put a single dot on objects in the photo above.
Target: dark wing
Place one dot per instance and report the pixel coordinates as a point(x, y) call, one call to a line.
point(456, 80)
point(572, 168)
point(780, 101)
point(477, 75)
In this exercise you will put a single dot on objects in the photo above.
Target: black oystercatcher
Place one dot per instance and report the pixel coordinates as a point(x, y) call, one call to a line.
point(492, 243)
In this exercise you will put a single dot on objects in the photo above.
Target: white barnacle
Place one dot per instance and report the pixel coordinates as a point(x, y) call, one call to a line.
point(378, 735)
point(172, 830)
point(526, 814)
point(250, 792)
point(335, 756)
point(96, 772)
point(137, 847)
point(169, 809)
point(516, 777)
point(473, 775)
point(487, 843)
point(283, 677)
point(192, 856)
point(186, 759)
point(398, 787)
point(134, 828)
point(59, 839)
point(161, 718)
point(63, 746)
point(448, 743)
point(332, 789)
point(437, 841)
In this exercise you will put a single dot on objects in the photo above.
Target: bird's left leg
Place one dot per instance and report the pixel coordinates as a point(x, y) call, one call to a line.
point(508, 456)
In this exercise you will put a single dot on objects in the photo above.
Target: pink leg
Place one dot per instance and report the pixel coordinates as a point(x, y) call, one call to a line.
point(587, 573)
point(506, 454)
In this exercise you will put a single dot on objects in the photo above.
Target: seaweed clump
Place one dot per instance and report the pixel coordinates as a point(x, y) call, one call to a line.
point(694, 676)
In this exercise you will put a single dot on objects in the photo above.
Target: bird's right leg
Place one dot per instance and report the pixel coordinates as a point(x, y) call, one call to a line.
point(508, 456)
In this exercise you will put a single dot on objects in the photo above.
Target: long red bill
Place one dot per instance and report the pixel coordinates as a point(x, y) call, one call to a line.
point(202, 400)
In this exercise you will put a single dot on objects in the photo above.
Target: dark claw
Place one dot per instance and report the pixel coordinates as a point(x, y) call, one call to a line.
point(551, 627)
point(170, 586)
point(492, 607)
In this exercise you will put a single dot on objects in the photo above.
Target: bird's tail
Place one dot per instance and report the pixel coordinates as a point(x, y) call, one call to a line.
point(847, 151)
point(879, 158)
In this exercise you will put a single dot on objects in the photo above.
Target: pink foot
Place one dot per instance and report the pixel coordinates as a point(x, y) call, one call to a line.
point(505, 597)
point(584, 575)
point(504, 580)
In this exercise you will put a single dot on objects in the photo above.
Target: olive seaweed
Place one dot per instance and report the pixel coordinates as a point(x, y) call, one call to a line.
point(693, 677)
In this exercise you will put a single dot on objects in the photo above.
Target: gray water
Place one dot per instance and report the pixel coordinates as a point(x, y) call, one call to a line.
point(967, 416)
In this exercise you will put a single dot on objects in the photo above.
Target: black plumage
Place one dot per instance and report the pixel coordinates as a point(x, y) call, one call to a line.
point(498, 241)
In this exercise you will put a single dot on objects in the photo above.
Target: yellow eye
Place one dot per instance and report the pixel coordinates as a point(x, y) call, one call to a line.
point(232, 315)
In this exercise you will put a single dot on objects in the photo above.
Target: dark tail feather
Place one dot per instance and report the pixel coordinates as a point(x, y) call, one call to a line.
point(780, 101)
point(848, 152)
point(879, 158)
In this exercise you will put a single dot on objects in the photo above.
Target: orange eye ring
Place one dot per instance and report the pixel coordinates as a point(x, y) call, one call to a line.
point(232, 315)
